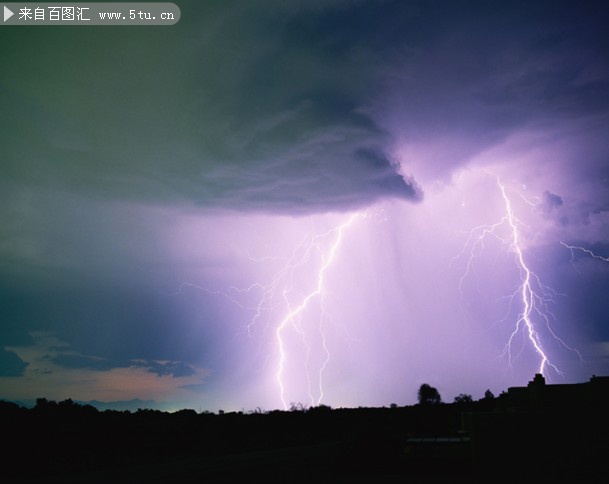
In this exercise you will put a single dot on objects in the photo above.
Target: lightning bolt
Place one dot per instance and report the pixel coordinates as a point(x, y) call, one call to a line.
point(287, 295)
point(531, 296)
point(293, 316)
point(532, 301)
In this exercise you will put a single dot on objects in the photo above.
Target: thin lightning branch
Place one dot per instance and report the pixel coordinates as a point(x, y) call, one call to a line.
point(475, 242)
point(573, 248)
point(529, 202)
point(226, 294)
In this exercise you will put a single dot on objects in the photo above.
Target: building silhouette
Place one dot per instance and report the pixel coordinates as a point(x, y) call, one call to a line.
point(540, 396)
point(544, 430)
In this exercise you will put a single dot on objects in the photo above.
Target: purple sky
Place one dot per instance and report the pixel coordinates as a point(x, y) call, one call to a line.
point(305, 202)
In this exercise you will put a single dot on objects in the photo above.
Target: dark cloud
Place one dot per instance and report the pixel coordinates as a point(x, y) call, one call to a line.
point(476, 75)
point(11, 364)
point(551, 200)
point(88, 362)
point(161, 368)
point(174, 368)
point(550, 205)
point(249, 114)
point(268, 107)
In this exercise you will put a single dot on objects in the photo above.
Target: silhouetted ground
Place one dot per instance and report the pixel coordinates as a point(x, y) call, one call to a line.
point(66, 442)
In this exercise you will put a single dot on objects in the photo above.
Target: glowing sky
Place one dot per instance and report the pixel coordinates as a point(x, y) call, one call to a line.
point(305, 202)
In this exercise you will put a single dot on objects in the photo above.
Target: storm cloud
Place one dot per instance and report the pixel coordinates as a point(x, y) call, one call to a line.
point(252, 113)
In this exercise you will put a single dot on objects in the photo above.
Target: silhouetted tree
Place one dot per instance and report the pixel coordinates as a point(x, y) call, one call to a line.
point(428, 395)
point(43, 403)
point(297, 407)
point(488, 395)
point(320, 409)
point(464, 398)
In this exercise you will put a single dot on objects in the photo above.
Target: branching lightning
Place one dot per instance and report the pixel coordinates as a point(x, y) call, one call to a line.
point(532, 301)
point(531, 296)
point(286, 298)
point(293, 316)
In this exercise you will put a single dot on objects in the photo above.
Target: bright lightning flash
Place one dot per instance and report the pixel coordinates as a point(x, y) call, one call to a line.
point(532, 302)
point(531, 296)
point(290, 294)
point(293, 317)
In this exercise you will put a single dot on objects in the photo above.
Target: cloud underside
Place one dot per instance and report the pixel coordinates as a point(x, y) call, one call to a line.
point(11, 364)
point(248, 115)
point(336, 165)
point(295, 109)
